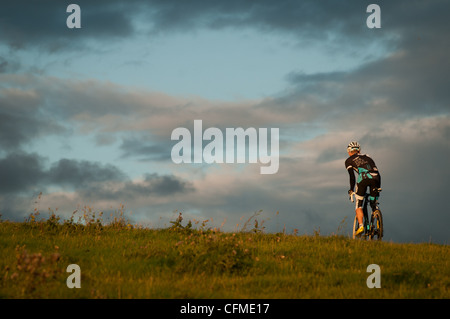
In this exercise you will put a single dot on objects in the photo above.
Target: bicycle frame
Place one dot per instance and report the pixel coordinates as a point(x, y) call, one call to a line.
point(367, 221)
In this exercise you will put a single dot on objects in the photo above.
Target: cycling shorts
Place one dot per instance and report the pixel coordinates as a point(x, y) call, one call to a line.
point(361, 188)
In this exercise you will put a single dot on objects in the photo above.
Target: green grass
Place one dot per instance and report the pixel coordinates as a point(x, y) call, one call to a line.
point(118, 260)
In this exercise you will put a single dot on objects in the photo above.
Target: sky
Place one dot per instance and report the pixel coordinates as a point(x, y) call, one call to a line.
point(86, 114)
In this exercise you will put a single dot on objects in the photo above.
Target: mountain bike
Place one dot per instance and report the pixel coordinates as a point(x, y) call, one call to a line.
point(373, 227)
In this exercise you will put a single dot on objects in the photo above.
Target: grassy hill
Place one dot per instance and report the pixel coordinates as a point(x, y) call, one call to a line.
point(118, 260)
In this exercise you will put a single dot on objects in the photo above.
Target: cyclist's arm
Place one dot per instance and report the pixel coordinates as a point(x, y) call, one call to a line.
point(375, 168)
point(352, 177)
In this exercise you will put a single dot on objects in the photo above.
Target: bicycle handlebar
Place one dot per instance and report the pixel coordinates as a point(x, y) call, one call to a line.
point(351, 196)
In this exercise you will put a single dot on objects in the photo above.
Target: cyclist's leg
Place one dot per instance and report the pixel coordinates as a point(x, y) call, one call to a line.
point(374, 194)
point(360, 191)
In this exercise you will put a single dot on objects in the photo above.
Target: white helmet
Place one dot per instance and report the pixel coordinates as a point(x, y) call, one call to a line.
point(353, 146)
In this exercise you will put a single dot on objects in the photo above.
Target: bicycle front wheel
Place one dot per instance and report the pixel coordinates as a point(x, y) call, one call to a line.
point(377, 225)
point(355, 228)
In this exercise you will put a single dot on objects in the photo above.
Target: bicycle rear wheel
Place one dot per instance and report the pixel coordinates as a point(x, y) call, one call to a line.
point(377, 225)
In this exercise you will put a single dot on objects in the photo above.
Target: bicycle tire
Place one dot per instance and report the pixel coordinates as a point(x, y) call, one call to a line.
point(355, 227)
point(377, 229)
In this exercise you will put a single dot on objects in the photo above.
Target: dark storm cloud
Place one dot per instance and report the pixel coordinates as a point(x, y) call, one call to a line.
point(153, 185)
point(412, 80)
point(291, 16)
point(144, 148)
point(20, 172)
point(43, 23)
point(21, 117)
point(166, 184)
point(23, 175)
point(16, 130)
point(78, 174)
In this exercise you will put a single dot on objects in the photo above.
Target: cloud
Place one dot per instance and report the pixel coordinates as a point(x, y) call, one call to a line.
point(80, 173)
point(68, 183)
point(20, 172)
point(384, 86)
point(407, 83)
point(43, 23)
point(21, 119)
point(144, 148)
point(151, 186)
point(102, 107)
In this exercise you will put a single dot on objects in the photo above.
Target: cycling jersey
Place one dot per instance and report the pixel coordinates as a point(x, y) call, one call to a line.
point(368, 176)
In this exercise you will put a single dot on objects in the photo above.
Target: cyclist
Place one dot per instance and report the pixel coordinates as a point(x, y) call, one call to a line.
point(368, 176)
